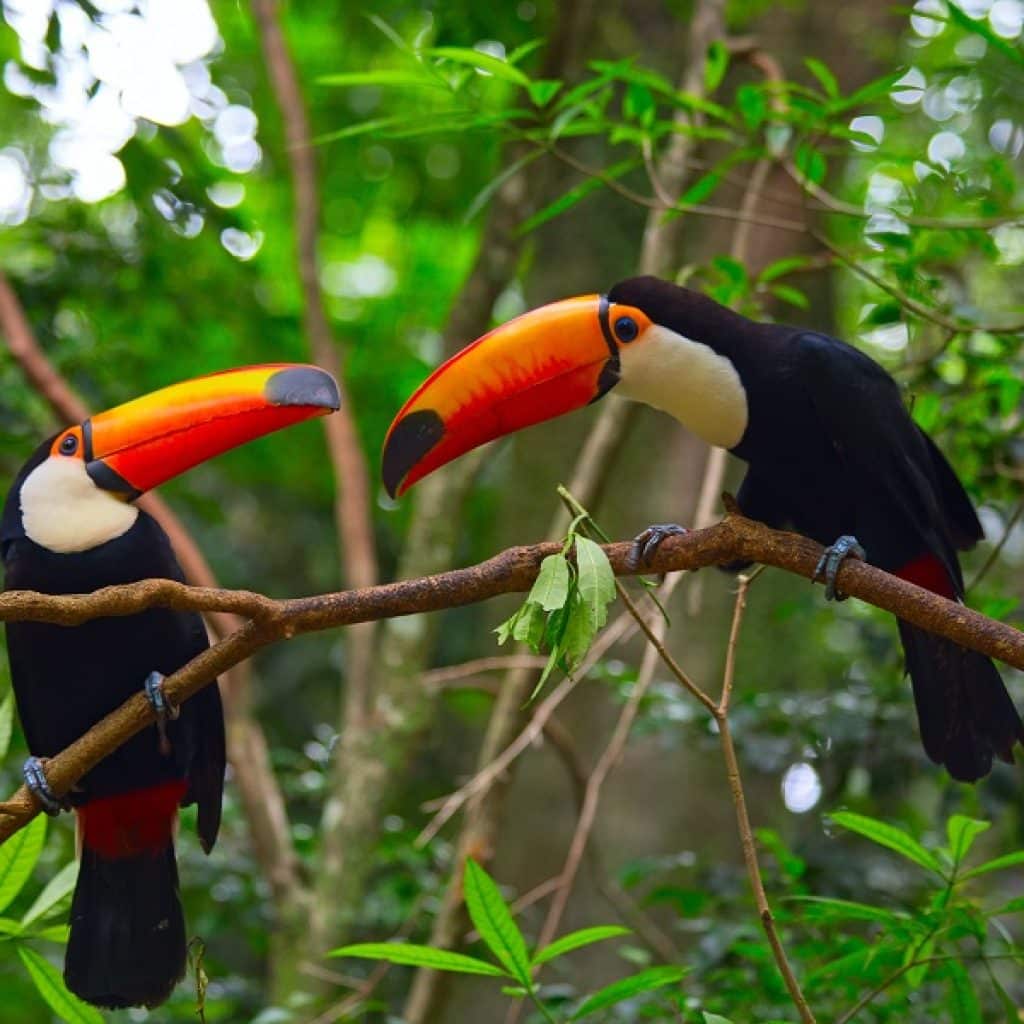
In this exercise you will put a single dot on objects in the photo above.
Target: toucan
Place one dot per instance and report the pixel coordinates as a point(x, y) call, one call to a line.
point(70, 526)
point(831, 450)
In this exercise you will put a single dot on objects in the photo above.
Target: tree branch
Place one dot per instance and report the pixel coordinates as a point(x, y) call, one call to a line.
point(512, 571)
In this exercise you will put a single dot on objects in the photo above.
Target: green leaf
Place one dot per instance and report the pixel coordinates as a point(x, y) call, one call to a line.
point(810, 163)
point(595, 579)
point(522, 52)
point(411, 955)
point(53, 933)
point(825, 908)
point(578, 634)
point(6, 723)
point(780, 268)
point(888, 836)
point(493, 920)
point(578, 939)
point(529, 625)
point(551, 588)
point(386, 77)
point(963, 1004)
point(824, 76)
point(485, 62)
point(569, 199)
point(50, 986)
point(791, 295)
point(752, 103)
point(544, 90)
point(55, 890)
point(715, 66)
point(715, 1018)
point(483, 197)
point(1008, 860)
point(962, 831)
point(645, 981)
point(18, 857)
point(875, 90)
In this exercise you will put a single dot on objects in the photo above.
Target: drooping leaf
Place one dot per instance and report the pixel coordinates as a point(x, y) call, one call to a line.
point(53, 892)
point(50, 985)
point(493, 920)
point(411, 955)
point(780, 268)
point(644, 981)
point(595, 579)
point(18, 857)
point(551, 588)
point(889, 836)
point(578, 634)
point(529, 625)
point(577, 940)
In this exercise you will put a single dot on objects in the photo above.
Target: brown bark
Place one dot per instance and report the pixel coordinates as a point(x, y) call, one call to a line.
point(512, 571)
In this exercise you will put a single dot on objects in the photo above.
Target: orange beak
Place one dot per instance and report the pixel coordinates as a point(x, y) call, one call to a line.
point(542, 364)
point(136, 446)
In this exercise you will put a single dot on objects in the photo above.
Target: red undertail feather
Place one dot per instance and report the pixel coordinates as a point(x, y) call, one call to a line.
point(928, 572)
point(131, 823)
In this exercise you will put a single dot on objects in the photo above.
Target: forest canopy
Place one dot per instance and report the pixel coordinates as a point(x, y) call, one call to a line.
point(434, 817)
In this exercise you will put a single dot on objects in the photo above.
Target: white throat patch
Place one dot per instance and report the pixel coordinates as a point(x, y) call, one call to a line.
point(688, 380)
point(62, 509)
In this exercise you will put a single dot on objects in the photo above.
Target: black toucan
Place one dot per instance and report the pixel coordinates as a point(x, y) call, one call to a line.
point(70, 526)
point(831, 450)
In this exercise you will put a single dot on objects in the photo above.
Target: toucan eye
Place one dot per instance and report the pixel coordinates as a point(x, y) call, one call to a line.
point(626, 328)
point(69, 445)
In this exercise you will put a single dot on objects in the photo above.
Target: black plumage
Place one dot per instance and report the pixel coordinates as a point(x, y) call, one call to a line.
point(832, 450)
point(127, 943)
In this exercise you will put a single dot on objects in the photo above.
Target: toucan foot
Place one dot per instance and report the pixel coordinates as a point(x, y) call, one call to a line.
point(832, 557)
point(33, 773)
point(165, 710)
point(646, 544)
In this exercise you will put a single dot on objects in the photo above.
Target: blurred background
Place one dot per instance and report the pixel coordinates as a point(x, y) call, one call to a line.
point(187, 186)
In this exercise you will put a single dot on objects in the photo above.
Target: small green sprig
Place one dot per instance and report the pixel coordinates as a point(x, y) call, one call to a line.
point(568, 603)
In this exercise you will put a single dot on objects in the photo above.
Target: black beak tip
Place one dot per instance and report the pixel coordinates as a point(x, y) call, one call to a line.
point(410, 439)
point(303, 385)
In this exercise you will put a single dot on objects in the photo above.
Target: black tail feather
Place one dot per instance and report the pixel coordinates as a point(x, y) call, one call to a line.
point(966, 715)
point(127, 944)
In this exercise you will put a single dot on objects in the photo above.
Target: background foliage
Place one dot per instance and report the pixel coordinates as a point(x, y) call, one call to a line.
point(854, 168)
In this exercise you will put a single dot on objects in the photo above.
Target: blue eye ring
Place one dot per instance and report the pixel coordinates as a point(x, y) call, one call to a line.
point(69, 445)
point(626, 329)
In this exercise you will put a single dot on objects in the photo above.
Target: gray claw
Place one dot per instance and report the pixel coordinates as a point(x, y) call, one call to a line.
point(154, 687)
point(646, 544)
point(35, 778)
point(832, 557)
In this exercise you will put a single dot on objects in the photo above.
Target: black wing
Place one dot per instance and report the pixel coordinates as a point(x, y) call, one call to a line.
point(902, 495)
point(209, 754)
